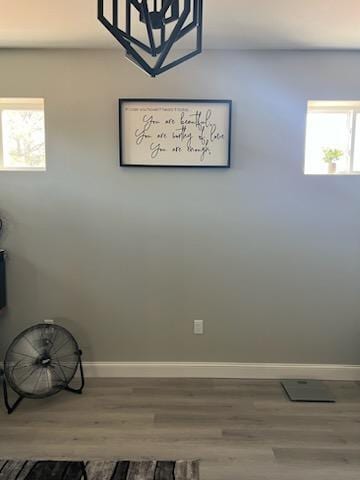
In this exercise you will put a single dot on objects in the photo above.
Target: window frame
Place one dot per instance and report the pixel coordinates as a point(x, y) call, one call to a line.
point(350, 108)
point(30, 104)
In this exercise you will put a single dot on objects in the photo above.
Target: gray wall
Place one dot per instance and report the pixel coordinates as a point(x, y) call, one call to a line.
point(127, 258)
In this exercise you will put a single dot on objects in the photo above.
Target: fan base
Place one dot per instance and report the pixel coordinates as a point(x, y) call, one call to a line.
point(12, 407)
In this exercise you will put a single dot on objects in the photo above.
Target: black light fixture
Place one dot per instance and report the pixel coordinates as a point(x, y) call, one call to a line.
point(165, 22)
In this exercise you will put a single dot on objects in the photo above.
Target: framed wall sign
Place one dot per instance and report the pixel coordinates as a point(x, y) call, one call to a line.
point(175, 133)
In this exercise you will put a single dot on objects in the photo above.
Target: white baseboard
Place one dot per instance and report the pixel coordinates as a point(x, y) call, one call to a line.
point(221, 370)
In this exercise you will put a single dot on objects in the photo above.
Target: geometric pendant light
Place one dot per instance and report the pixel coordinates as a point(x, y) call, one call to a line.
point(150, 30)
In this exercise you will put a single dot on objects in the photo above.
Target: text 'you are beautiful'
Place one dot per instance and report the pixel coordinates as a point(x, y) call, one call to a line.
point(183, 133)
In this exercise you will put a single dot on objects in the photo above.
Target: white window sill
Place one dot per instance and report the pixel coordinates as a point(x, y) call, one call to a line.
point(332, 174)
point(22, 170)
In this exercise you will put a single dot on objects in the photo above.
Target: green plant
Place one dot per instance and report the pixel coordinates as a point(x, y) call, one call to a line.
point(332, 155)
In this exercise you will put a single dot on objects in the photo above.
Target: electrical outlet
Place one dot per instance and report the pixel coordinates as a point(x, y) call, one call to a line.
point(198, 327)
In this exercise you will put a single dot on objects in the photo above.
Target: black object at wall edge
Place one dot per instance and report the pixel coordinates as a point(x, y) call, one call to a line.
point(2, 280)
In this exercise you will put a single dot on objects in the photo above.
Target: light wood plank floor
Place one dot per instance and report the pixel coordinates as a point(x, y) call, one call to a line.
point(241, 430)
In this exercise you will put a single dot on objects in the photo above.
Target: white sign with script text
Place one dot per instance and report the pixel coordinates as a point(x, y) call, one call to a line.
point(173, 133)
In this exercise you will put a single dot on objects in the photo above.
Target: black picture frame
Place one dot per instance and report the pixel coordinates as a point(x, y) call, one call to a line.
point(123, 101)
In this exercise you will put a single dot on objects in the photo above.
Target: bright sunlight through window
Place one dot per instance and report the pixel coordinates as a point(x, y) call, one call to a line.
point(333, 138)
point(22, 134)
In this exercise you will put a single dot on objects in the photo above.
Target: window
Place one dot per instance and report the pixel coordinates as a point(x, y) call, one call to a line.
point(22, 134)
point(333, 138)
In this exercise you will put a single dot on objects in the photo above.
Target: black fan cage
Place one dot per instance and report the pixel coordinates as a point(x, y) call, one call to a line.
point(42, 361)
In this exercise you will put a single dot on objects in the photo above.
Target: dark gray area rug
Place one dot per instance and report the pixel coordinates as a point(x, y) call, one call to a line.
point(98, 470)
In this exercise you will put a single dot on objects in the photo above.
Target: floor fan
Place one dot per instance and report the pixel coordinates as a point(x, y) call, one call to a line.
point(40, 362)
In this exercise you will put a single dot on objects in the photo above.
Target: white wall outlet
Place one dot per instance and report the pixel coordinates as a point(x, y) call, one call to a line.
point(49, 321)
point(198, 327)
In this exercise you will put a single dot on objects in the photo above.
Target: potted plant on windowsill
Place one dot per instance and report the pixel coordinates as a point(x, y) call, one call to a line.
point(331, 156)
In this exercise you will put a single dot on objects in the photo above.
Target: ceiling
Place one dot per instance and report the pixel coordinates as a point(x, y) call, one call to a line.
point(229, 24)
